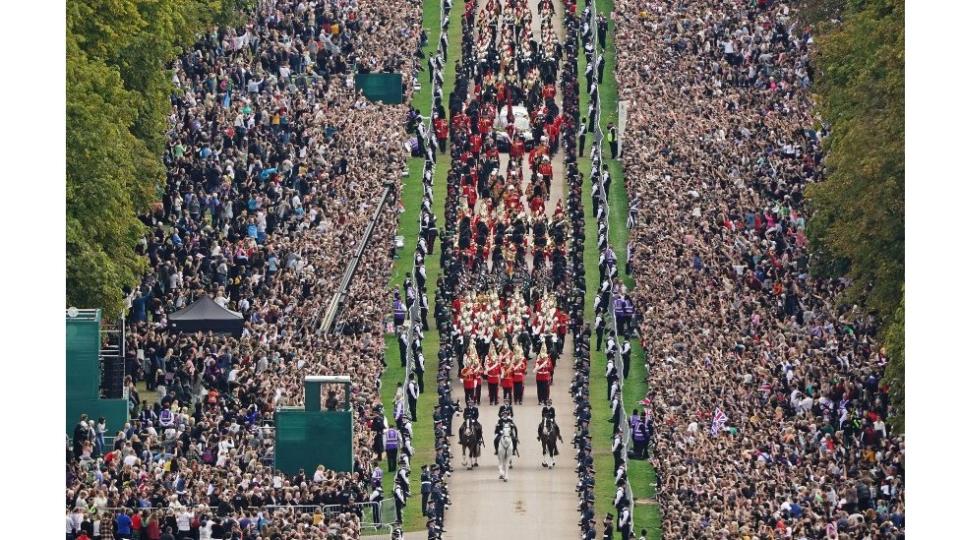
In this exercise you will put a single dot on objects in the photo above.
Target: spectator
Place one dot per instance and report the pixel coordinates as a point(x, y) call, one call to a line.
point(721, 140)
point(123, 528)
point(272, 156)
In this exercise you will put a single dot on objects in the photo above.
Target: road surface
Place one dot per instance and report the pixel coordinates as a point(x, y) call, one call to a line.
point(536, 502)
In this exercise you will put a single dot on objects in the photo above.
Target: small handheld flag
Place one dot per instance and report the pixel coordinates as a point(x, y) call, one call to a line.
point(719, 421)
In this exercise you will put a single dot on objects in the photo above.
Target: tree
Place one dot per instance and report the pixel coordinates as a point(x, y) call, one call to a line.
point(106, 166)
point(896, 358)
point(118, 89)
point(857, 227)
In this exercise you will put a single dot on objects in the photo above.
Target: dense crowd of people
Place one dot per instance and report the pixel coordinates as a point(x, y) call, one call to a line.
point(769, 410)
point(766, 417)
point(273, 161)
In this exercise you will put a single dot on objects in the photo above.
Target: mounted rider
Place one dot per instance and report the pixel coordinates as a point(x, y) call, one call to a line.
point(471, 413)
point(506, 408)
point(547, 412)
point(505, 420)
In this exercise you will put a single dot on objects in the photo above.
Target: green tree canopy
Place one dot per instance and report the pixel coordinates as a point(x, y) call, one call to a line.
point(118, 88)
point(858, 223)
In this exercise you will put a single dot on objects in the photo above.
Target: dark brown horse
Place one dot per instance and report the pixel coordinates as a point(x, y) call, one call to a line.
point(471, 438)
point(549, 434)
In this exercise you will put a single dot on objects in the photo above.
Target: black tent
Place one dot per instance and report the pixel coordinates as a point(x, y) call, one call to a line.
point(205, 315)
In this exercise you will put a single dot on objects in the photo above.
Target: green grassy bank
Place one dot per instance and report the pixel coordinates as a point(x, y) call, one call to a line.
point(412, 197)
point(640, 473)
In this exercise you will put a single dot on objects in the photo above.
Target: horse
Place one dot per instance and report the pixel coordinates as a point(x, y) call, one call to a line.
point(505, 450)
point(549, 432)
point(471, 437)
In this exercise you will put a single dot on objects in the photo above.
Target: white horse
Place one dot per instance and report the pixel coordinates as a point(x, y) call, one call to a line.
point(505, 451)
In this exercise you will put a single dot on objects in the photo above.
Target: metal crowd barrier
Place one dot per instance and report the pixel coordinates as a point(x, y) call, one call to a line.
point(340, 296)
point(366, 508)
point(384, 530)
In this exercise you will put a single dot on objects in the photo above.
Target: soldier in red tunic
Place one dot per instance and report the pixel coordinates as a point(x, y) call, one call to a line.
point(442, 131)
point(519, 371)
point(506, 381)
point(543, 368)
point(493, 381)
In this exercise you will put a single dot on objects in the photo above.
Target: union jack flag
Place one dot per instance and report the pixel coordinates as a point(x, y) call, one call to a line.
point(719, 420)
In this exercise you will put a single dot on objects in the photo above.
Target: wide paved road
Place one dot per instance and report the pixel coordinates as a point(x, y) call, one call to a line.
point(536, 503)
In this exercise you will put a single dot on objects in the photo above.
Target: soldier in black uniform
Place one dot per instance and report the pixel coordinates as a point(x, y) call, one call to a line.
point(443, 457)
point(499, 431)
point(418, 368)
point(426, 488)
point(612, 377)
point(432, 233)
point(506, 408)
point(618, 447)
point(449, 410)
point(600, 326)
point(471, 411)
point(608, 527)
point(439, 498)
point(379, 426)
point(424, 309)
point(438, 416)
point(602, 30)
point(546, 412)
point(404, 340)
point(586, 514)
point(408, 291)
point(586, 472)
point(400, 500)
point(433, 528)
point(376, 496)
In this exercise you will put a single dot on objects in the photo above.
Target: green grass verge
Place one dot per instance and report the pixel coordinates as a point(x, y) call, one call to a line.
point(408, 227)
point(640, 473)
point(599, 429)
